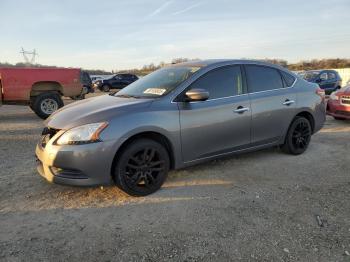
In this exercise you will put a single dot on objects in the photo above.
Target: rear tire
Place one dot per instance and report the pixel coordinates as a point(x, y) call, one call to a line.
point(84, 91)
point(45, 104)
point(142, 167)
point(298, 136)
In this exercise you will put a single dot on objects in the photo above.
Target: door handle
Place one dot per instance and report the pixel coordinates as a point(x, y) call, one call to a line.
point(288, 102)
point(241, 110)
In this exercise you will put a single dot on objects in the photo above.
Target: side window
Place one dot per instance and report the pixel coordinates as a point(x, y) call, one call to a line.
point(324, 76)
point(222, 82)
point(331, 75)
point(288, 78)
point(262, 78)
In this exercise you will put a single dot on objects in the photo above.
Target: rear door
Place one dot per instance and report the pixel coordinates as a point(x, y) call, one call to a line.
point(273, 103)
point(127, 79)
point(222, 123)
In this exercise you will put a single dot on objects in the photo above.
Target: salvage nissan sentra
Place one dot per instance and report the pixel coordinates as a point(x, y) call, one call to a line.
point(175, 117)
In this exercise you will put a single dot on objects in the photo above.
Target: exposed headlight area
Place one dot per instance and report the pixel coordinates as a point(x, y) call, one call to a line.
point(84, 134)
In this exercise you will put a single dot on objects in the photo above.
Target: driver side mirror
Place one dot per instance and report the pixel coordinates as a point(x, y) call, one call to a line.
point(197, 94)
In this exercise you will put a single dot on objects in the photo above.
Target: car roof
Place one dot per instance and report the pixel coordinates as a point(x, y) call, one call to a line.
point(125, 74)
point(321, 70)
point(219, 62)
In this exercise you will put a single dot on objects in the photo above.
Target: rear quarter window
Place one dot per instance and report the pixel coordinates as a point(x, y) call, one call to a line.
point(288, 79)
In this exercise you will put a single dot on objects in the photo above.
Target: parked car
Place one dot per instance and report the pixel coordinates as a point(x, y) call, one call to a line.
point(328, 80)
point(42, 88)
point(118, 81)
point(338, 104)
point(176, 117)
point(96, 78)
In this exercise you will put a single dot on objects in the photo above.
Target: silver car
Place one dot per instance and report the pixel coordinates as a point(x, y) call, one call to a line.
point(176, 117)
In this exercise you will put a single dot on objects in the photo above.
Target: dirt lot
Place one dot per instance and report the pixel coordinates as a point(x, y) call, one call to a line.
point(262, 206)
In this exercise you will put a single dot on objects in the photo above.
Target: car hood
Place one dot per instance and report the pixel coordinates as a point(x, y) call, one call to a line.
point(347, 91)
point(92, 110)
point(344, 91)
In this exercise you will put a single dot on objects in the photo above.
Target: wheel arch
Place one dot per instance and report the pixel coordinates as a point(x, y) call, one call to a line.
point(303, 113)
point(153, 135)
point(309, 117)
point(46, 86)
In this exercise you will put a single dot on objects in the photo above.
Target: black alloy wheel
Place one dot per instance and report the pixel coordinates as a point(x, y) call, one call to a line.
point(298, 136)
point(142, 167)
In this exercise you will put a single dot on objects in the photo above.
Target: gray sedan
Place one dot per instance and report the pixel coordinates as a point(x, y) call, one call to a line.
point(176, 117)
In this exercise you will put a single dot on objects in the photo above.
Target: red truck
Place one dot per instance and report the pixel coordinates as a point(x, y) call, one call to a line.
point(42, 88)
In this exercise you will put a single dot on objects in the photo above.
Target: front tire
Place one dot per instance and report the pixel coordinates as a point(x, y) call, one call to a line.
point(142, 167)
point(45, 104)
point(105, 88)
point(298, 136)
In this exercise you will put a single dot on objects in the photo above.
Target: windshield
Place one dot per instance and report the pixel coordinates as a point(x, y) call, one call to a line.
point(109, 77)
point(309, 75)
point(158, 83)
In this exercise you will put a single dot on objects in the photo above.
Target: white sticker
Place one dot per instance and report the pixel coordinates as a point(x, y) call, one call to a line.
point(155, 91)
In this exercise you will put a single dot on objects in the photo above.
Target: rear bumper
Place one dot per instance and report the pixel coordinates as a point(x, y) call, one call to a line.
point(78, 165)
point(336, 109)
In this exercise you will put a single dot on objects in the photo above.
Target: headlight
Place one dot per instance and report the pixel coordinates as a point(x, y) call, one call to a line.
point(333, 96)
point(82, 134)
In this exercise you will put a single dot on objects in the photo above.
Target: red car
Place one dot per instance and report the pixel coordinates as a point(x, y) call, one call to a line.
point(338, 104)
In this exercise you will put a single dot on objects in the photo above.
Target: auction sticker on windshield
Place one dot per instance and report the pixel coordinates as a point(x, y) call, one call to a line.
point(155, 91)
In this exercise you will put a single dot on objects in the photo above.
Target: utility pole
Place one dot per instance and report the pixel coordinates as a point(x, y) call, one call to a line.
point(26, 54)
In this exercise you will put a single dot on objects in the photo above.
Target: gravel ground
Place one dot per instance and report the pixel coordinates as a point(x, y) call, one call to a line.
point(261, 206)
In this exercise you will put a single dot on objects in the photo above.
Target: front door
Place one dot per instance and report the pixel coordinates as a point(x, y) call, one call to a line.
point(222, 123)
point(116, 81)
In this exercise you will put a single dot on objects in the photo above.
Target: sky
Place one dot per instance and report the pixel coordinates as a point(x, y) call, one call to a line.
point(116, 35)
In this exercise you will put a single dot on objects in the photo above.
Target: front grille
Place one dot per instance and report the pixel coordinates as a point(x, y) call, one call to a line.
point(47, 134)
point(344, 113)
point(345, 100)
